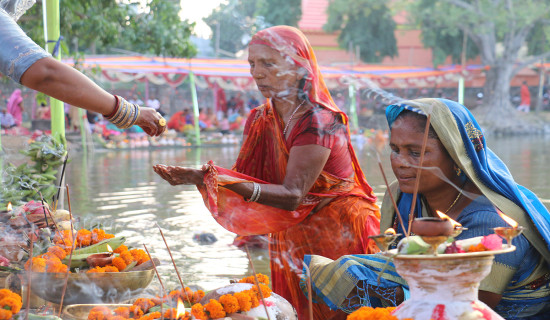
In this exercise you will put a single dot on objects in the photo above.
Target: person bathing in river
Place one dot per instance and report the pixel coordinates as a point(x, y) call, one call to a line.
point(27, 63)
point(296, 177)
point(468, 182)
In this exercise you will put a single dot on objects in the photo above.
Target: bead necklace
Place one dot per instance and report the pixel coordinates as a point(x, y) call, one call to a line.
point(292, 115)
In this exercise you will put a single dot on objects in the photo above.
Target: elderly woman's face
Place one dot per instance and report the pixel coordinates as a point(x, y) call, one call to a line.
point(407, 134)
point(275, 74)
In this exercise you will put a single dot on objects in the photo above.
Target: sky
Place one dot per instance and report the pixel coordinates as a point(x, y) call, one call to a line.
point(195, 10)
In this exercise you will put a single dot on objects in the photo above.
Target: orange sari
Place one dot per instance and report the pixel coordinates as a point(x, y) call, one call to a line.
point(341, 227)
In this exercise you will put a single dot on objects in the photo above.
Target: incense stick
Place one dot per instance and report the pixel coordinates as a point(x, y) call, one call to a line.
point(29, 280)
point(310, 293)
point(44, 209)
point(257, 282)
point(174, 263)
point(389, 192)
point(61, 178)
point(418, 172)
point(156, 271)
point(73, 245)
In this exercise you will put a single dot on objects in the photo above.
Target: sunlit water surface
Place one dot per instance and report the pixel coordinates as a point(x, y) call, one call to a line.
point(119, 190)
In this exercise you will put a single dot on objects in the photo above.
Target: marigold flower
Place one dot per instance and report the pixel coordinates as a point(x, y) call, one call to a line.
point(262, 278)
point(117, 318)
point(135, 311)
point(266, 291)
point(151, 316)
point(121, 249)
point(139, 255)
point(478, 247)
point(5, 293)
point(127, 256)
point(38, 264)
point(368, 313)
point(197, 296)
point(111, 269)
point(244, 300)
point(99, 313)
point(119, 263)
point(5, 314)
point(214, 309)
point(122, 311)
point(197, 310)
point(83, 238)
point(230, 303)
point(96, 270)
point(144, 304)
point(12, 303)
point(58, 251)
point(254, 298)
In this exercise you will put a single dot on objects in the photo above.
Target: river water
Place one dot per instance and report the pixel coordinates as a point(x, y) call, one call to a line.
point(120, 191)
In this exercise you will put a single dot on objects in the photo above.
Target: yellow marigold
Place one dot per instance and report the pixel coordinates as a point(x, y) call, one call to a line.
point(58, 251)
point(127, 256)
point(266, 291)
point(83, 238)
point(122, 311)
point(38, 264)
point(254, 298)
point(96, 270)
point(139, 255)
point(121, 249)
point(5, 314)
point(214, 309)
point(197, 310)
point(230, 303)
point(111, 269)
point(151, 316)
point(144, 304)
point(135, 311)
point(99, 313)
point(12, 303)
point(197, 296)
point(119, 263)
point(244, 300)
point(5, 293)
point(262, 278)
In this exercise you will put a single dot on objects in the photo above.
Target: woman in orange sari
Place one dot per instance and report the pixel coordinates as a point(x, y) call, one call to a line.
point(296, 177)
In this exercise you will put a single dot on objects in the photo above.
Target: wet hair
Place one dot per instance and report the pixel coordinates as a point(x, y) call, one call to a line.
point(421, 120)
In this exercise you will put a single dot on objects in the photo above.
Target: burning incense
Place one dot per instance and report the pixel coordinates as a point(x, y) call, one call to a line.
point(73, 245)
point(257, 282)
point(156, 271)
point(29, 279)
point(310, 293)
point(174, 263)
point(389, 192)
point(418, 172)
point(61, 178)
point(44, 210)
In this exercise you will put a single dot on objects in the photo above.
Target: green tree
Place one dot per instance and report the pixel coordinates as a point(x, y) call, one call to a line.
point(232, 24)
point(365, 23)
point(277, 12)
point(499, 30)
point(96, 26)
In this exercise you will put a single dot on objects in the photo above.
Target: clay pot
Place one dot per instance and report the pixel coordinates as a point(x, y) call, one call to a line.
point(99, 259)
point(432, 227)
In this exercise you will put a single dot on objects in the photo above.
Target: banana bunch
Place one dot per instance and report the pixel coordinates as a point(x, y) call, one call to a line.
point(81, 254)
point(22, 183)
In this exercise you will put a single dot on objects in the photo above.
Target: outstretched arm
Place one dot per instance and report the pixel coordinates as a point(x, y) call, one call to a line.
point(67, 84)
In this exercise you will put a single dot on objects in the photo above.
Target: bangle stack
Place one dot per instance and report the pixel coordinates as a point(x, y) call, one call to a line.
point(126, 114)
point(255, 193)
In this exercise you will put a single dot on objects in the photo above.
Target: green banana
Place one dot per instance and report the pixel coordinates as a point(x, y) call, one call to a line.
point(101, 246)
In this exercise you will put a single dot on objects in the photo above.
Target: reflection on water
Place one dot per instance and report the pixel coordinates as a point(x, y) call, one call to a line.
point(119, 190)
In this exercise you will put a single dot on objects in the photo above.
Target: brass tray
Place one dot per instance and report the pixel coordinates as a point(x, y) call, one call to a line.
point(90, 288)
point(81, 311)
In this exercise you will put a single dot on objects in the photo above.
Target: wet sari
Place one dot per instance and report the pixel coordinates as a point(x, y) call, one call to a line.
point(339, 227)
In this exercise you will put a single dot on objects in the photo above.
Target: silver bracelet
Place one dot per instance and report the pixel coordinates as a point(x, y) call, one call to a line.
point(254, 192)
point(259, 192)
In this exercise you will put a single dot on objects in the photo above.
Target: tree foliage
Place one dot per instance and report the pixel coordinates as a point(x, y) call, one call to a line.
point(499, 30)
point(365, 23)
point(280, 12)
point(96, 26)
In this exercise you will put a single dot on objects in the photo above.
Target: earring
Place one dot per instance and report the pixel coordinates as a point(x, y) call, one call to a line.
point(458, 171)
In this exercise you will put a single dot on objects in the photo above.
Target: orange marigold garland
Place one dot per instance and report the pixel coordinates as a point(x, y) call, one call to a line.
point(369, 313)
point(230, 303)
point(10, 303)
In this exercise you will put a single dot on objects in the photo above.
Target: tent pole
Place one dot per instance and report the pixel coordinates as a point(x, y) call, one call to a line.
point(353, 107)
point(53, 33)
point(193, 88)
point(461, 90)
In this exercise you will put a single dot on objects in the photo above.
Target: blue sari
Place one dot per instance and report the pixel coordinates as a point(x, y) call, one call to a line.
point(522, 281)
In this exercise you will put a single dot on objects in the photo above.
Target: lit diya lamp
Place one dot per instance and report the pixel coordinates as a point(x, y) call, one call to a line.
point(101, 259)
point(434, 231)
point(180, 311)
point(457, 227)
point(384, 240)
point(508, 233)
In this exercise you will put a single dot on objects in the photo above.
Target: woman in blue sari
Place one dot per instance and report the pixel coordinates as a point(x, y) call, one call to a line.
point(467, 181)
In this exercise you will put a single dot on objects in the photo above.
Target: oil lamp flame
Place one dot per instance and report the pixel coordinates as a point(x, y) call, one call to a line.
point(390, 231)
point(109, 249)
point(8, 207)
point(508, 220)
point(180, 311)
point(446, 217)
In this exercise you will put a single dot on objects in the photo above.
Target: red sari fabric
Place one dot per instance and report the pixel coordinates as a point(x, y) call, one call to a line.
point(341, 227)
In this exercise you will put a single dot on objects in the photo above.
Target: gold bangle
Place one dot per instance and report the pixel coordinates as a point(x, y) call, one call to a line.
point(120, 118)
point(128, 122)
point(126, 116)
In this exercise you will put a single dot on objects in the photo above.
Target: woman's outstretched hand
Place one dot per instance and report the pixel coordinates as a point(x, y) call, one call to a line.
point(179, 175)
point(151, 121)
